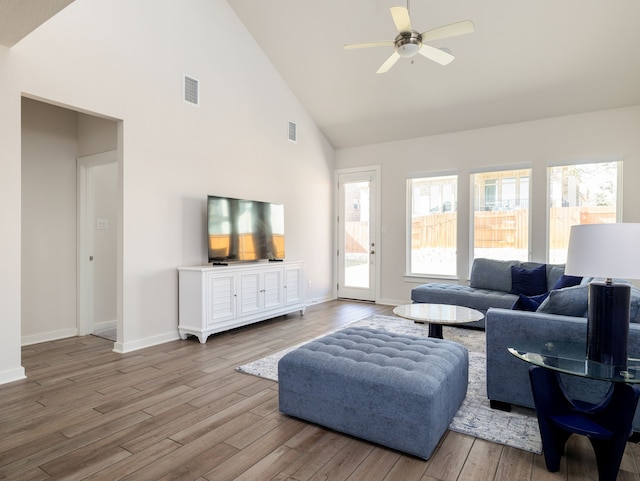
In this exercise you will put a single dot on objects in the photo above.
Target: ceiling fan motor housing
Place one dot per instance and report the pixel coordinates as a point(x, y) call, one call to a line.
point(408, 43)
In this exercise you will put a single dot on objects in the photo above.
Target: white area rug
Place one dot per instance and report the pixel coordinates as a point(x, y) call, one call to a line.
point(518, 429)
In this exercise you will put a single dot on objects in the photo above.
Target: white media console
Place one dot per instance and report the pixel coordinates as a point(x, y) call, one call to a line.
point(218, 298)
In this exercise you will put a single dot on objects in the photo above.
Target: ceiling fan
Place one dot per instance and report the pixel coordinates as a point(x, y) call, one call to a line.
point(409, 42)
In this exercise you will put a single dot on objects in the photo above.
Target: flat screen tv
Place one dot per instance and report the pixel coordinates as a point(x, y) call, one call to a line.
point(244, 230)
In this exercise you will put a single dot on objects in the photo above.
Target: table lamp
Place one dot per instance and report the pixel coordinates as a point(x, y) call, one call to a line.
point(607, 251)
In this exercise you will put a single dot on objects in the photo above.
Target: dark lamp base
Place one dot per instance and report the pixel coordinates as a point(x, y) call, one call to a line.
point(608, 323)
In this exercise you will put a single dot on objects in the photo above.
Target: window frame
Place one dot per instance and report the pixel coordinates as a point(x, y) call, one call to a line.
point(472, 200)
point(409, 274)
point(583, 161)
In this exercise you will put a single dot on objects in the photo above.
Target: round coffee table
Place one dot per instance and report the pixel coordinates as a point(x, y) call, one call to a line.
point(437, 315)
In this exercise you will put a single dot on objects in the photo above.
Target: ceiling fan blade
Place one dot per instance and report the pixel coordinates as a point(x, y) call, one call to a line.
point(400, 17)
point(452, 30)
point(391, 60)
point(435, 54)
point(350, 46)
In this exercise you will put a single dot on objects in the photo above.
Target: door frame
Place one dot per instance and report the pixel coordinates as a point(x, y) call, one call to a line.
point(375, 220)
point(85, 235)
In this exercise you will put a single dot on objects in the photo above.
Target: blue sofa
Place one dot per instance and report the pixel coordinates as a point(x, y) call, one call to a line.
point(562, 318)
point(490, 285)
point(557, 315)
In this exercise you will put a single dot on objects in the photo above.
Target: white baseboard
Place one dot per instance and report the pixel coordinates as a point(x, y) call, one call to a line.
point(12, 375)
point(393, 302)
point(318, 300)
point(123, 348)
point(104, 326)
point(49, 336)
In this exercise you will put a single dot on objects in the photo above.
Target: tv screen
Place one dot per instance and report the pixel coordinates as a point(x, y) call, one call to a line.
point(244, 230)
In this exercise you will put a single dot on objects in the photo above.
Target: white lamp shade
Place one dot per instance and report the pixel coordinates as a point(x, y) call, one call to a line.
point(604, 250)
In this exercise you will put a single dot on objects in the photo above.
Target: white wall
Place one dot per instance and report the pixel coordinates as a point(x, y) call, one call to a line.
point(110, 57)
point(10, 211)
point(96, 135)
point(49, 146)
point(52, 138)
point(530, 144)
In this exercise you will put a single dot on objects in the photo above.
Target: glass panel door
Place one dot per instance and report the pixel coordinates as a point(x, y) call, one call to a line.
point(356, 245)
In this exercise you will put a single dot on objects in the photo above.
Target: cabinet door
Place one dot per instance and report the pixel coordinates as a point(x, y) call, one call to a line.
point(250, 292)
point(272, 288)
point(221, 299)
point(293, 285)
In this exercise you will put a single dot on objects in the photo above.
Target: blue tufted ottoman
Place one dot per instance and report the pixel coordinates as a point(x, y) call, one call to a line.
point(398, 391)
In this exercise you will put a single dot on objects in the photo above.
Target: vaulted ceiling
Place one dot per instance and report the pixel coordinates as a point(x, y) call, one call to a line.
point(526, 60)
point(18, 18)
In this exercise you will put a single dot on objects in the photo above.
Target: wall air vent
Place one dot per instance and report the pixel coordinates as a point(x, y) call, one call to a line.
point(293, 133)
point(191, 92)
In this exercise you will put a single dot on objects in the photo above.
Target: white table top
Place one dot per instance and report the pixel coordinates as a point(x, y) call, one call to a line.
point(438, 313)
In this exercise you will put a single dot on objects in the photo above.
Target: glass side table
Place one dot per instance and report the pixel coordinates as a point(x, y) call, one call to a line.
point(607, 424)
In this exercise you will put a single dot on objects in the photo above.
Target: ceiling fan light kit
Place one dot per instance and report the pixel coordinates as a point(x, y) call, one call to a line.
point(409, 42)
point(407, 46)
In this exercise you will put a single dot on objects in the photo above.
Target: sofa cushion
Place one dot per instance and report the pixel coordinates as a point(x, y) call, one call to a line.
point(554, 274)
point(454, 294)
point(529, 282)
point(574, 301)
point(570, 301)
point(529, 303)
point(567, 281)
point(492, 274)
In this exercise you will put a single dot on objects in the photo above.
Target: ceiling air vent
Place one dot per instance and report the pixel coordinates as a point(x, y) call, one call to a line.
point(191, 93)
point(292, 132)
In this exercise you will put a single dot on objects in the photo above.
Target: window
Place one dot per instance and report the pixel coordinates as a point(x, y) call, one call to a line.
point(433, 225)
point(501, 214)
point(580, 194)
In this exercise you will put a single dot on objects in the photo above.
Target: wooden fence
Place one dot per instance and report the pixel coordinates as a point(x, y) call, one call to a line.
point(357, 237)
point(562, 218)
point(505, 229)
point(436, 230)
point(502, 229)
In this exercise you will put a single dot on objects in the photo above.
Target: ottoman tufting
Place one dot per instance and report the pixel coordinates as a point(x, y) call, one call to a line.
point(395, 390)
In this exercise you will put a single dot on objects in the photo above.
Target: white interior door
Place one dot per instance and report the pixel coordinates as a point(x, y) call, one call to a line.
point(97, 253)
point(357, 234)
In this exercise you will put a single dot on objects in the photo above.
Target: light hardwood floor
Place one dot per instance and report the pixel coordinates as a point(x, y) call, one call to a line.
point(180, 411)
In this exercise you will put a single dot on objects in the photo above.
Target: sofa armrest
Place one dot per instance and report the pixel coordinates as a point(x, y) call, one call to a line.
point(508, 376)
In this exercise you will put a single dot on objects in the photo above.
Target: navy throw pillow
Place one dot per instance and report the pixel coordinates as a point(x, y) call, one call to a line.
point(526, 303)
point(567, 281)
point(529, 282)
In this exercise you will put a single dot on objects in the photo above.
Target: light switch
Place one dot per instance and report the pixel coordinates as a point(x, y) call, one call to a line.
point(102, 224)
